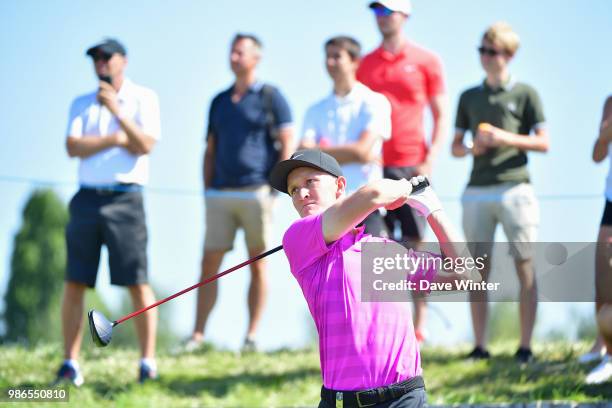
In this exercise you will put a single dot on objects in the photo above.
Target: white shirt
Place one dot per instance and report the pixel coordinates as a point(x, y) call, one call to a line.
point(90, 119)
point(339, 120)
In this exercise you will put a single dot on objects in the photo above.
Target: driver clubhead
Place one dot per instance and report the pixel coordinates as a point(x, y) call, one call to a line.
point(100, 327)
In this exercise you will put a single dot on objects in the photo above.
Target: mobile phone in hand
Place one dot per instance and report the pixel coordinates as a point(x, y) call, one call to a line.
point(106, 78)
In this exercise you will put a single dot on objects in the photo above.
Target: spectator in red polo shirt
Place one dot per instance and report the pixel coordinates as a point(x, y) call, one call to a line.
point(411, 78)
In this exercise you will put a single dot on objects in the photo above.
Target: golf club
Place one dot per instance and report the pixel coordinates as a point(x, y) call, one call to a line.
point(102, 329)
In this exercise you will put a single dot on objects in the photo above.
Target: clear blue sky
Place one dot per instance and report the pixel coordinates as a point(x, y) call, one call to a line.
point(180, 49)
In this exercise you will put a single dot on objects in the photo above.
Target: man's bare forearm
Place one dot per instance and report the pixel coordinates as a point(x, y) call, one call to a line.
point(436, 145)
point(446, 234)
point(139, 142)
point(209, 160)
point(600, 150)
point(86, 146)
point(439, 110)
point(538, 143)
point(285, 138)
point(451, 244)
point(602, 144)
point(345, 154)
point(346, 213)
point(437, 139)
point(209, 165)
point(361, 151)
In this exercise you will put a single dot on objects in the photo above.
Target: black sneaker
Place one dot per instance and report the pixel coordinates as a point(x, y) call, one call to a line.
point(478, 354)
point(524, 355)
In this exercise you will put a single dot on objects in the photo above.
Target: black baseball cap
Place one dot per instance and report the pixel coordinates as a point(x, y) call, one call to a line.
point(303, 158)
point(109, 46)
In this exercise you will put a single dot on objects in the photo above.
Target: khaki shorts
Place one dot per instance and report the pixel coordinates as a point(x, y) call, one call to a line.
point(249, 208)
point(513, 205)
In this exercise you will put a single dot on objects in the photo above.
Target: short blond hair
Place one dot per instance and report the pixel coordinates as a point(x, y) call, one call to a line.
point(501, 35)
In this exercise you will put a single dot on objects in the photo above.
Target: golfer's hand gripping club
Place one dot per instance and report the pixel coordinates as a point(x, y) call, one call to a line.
point(423, 198)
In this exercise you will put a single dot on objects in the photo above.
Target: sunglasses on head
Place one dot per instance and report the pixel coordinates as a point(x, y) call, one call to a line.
point(382, 11)
point(489, 51)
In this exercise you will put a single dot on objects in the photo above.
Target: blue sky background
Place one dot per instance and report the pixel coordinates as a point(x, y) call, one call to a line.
point(180, 49)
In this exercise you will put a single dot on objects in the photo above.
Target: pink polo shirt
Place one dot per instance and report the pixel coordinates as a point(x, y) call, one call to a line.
point(362, 344)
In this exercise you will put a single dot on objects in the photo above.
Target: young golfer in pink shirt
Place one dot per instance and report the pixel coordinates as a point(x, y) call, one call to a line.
point(368, 351)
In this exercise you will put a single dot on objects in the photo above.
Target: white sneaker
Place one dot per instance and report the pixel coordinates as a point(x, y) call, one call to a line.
point(249, 346)
point(190, 346)
point(601, 373)
point(592, 356)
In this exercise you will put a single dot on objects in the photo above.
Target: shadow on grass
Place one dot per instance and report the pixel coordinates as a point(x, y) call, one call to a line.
point(217, 386)
point(222, 385)
point(111, 391)
point(504, 378)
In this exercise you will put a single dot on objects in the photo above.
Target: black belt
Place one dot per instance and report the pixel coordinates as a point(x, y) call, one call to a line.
point(371, 397)
point(109, 189)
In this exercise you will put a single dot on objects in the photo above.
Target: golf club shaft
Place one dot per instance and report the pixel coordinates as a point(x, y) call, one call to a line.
point(197, 285)
point(418, 187)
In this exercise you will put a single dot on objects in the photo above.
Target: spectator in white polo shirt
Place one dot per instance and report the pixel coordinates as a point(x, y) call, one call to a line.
point(111, 130)
point(351, 123)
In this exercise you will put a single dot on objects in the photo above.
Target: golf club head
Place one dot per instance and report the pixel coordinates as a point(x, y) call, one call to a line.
point(100, 327)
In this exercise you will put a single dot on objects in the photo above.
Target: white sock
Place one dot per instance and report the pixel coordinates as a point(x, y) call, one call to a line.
point(149, 362)
point(72, 363)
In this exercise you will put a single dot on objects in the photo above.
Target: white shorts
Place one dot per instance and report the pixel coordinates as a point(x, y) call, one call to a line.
point(513, 205)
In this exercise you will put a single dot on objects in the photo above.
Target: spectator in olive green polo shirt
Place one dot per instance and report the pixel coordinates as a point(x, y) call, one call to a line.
point(506, 120)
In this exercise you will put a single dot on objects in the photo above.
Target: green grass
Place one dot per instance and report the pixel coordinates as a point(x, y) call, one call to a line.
point(217, 378)
point(554, 376)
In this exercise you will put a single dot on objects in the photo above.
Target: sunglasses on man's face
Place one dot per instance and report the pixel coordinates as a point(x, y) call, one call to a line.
point(382, 11)
point(489, 51)
point(102, 57)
